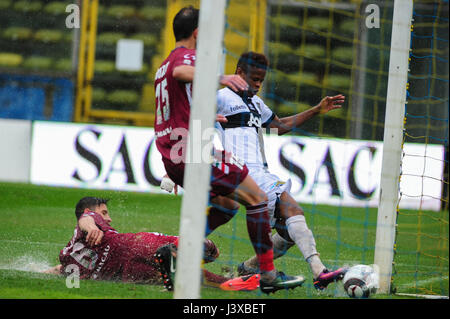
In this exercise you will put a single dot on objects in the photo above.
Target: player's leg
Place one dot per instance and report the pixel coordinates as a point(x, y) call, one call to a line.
point(254, 199)
point(280, 247)
point(221, 211)
point(230, 178)
point(298, 231)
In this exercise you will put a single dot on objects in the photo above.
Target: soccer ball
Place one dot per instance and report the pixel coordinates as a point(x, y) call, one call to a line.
point(360, 281)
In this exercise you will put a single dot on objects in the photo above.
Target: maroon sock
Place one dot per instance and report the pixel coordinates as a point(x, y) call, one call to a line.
point(260, 235)
point(212, 278)
point(217, 217)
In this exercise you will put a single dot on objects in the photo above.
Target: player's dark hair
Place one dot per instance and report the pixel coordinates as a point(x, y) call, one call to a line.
point(88, 202)
point(253, 59)
point(185, 22)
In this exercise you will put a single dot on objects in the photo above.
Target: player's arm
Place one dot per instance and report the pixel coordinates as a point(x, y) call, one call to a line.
point(168, 185)
point(185, 73)
point(94, 234)
point(287, 124)
point(54, 270)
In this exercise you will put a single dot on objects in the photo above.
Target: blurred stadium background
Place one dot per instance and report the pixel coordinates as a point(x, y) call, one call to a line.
point(53, 73)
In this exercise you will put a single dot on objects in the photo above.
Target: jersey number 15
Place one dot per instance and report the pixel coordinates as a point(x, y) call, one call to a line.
point(162, 102)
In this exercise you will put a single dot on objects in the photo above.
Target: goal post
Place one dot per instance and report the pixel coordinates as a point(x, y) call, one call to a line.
point(393, 140)
point(197, 171)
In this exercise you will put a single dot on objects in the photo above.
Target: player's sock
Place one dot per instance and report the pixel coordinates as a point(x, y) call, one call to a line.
point(303, 237)
point(316, 265)
point(259, 232)
point(218, 216)
point(280, 247)
point(212, 279)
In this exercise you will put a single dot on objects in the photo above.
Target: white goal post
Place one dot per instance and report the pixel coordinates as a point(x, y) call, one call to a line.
point(393, 137)
point(197, 173)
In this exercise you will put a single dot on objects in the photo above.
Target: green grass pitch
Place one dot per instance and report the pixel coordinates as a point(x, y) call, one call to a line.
point(36, 222)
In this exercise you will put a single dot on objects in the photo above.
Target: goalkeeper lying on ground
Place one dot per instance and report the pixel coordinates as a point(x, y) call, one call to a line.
point(101, 252)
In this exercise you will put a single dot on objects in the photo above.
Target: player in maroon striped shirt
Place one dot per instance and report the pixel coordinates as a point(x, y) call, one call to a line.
point(229, 176)
point(98, 251)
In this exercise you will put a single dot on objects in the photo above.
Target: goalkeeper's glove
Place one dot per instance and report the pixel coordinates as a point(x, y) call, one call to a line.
point(167, 184)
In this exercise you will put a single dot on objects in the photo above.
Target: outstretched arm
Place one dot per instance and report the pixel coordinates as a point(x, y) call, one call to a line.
point(185, 73)
point(287, 124)
point(54, 270)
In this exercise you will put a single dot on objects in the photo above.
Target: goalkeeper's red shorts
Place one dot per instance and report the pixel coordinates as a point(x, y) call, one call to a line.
point(226, 175)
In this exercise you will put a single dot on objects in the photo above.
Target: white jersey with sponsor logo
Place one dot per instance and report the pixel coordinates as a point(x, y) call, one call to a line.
point(240, 137)
point(245, 117)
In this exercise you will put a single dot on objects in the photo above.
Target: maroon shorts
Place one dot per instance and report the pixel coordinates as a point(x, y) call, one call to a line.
point(226, 175)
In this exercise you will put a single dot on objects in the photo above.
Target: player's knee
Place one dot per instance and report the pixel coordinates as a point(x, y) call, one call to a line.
point(258, 197)
point(294, 210)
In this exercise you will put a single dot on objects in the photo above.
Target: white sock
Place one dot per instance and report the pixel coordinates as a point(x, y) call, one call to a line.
point(304, 239)
point(280, 245)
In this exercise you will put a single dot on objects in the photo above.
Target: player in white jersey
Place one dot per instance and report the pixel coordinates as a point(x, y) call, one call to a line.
point(246, 114)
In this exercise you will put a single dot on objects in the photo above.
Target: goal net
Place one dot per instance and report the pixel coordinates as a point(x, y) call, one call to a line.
point(421, 264)
point(334, 161)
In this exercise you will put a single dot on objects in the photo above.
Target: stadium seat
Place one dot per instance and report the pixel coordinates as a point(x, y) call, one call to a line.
point(123, 97)
point(4, 4)
point(56, 7)
point(337, 81)
point(17, 33)
point(152, 13)
point(37, 63)
point(311, 51)
point(286, 28)
point(277, 48)
point(98, 95)
point(110, 38)
point(10, 60)
point(289, 108)
point(343, 54)
point(143, 71)
point(348, 27)
point(285, 20)
point(63, 65)
point(27, 6)
point(48, 35)
point(302, 77)
point(121, 11)
point(104, 66)
point(317, 23)
point(149, 40)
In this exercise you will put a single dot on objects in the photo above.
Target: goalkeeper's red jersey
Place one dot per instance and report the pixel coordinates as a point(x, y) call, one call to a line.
point(124, 257)
point(173, 101)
